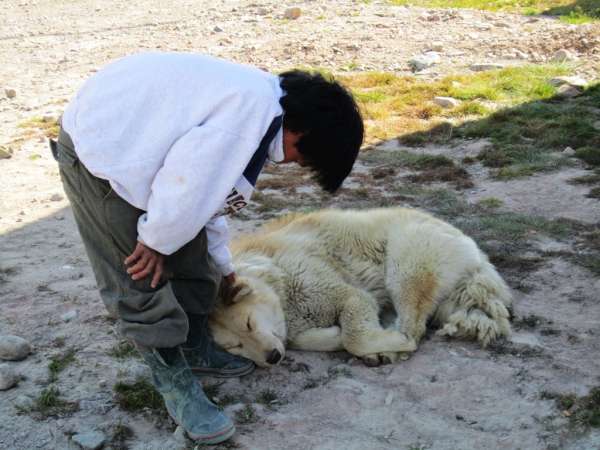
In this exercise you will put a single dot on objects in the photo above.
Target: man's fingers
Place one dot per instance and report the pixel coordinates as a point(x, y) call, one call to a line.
point(135, 255)
point(158, 271)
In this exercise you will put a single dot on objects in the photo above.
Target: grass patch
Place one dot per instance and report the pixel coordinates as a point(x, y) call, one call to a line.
point(266, 397)
point(590, 155)
point(6, 272)
point(59, 363)
point(121, 433)
point(123, 350)
point(48, 403)
point(584, 410)
point(490, 202)
point(247, 415)
point(212, 390)
point(138, 395)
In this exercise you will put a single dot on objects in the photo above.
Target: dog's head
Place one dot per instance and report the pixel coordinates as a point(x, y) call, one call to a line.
point(248, 321)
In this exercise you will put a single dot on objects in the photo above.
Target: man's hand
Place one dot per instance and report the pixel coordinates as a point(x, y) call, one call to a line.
point(231, 277)
point(147, 261)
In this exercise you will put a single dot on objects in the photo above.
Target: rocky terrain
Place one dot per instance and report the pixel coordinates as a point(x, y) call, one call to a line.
point(449, 395)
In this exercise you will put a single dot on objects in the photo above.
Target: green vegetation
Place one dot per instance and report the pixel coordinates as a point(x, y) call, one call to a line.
point(138, 395)
point(48, 404)
point(58, 363)
point(584, 410)
point(123, 350)
point(7, 272)
point(572, 11)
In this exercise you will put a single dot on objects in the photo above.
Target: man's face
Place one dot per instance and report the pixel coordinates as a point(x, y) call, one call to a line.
point(290, 152)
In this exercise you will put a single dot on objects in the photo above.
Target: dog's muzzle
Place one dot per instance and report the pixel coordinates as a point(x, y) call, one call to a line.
point(274, 357)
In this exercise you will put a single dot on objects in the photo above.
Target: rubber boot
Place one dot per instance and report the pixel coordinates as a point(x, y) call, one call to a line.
point(205, 357)
point(186, 402)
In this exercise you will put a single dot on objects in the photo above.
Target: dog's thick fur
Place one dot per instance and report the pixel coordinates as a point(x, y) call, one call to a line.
point(328, 280)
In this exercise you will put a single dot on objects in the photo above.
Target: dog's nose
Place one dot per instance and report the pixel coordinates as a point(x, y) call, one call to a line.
point(274, 357)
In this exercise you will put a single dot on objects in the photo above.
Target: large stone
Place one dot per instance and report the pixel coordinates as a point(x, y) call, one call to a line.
point(446, 102)
point(576, 82)
point(481, 67)
point(13, 348)
point(292, 13)
point(8, 377)
point(425, 61)
point(567, 91)
point(562, 55)
point(89, 441)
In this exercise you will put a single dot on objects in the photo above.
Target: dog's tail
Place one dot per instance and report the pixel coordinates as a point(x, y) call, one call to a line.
point(476, 308)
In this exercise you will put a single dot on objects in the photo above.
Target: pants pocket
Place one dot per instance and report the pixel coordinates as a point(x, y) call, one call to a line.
point(68, 165)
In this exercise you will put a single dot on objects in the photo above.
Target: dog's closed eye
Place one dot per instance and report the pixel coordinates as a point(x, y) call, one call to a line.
point(249, 326)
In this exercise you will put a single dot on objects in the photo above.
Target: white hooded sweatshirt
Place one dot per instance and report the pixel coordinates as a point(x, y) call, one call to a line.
point(173, 133)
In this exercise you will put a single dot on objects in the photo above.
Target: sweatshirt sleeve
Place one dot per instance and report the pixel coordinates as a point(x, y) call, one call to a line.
point(217, 233)
point(197, 175)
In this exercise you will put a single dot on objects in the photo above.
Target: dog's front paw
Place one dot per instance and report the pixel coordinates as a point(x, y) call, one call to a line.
point(383, 358)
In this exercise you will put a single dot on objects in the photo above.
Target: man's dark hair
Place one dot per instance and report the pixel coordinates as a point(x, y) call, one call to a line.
point(326, 115)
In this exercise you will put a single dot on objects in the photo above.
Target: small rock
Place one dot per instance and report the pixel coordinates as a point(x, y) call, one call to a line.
point(13, 348)
point(69, 316)
point(262, 11)
point(502, 24)
point(179, 435)
point(49, 119)
point(533, 20)
point(24, 401)
point(64, 59)
point(87, 405)
point(89, 441)
point(6, 152)
point(217, 29)
point(576, 82)
point(567, 92)
point(483, 26)
point(437, 46)
point(597, 125)
point(389, 398)
point(105, 408)
point(435, 17)
point(56, 197)
point(481, 67)
point(60, 423)
point(8, 377)
point(10, 92)
point(59, 217)
point(141, 372)
point(446, 102)
point(102, 383)
point(292, 13)
point(325, 375)
point(425, 61)
point(562, 55)
point(568, 151)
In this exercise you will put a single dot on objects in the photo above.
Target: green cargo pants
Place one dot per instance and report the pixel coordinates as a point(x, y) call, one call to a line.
point(108, 227)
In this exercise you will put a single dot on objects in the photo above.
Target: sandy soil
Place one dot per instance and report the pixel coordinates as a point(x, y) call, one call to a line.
point(482, 398)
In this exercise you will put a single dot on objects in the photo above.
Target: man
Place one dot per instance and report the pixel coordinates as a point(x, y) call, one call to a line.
point(153, 150)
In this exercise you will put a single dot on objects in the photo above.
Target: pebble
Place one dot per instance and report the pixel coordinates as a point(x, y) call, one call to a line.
point(562, 55)
point(446, 102)
point(425, 61)
point(10, 92)
point(179, 435)
point(8, 377)
point(568, 151)
point(69, 316)
point(567, 91)
point(262, 11)
point(59, 217)
point(89, 441)
point(24, 401)
point(437, 46)
point(49, 119)
point(102, 383)
point(576, 82)
point(217, 29)
point(597, 125)
point(13, 348)
point(141, 372)
point(292, 13)
point(481, 67)
point(56, 197)
point(389, 398)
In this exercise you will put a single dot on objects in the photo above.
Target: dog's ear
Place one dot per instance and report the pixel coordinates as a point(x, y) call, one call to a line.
point(236, 293)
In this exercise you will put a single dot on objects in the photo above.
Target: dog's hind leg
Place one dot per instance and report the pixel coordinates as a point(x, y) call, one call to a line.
point(362, 333)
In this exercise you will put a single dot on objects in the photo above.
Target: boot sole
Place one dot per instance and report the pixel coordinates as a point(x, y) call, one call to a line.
point(214, 438)
point(218, 373)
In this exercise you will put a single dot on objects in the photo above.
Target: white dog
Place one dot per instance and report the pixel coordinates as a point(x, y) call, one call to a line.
point(324, 281)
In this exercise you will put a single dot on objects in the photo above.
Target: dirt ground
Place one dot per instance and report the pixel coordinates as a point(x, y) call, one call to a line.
point(449, 395)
